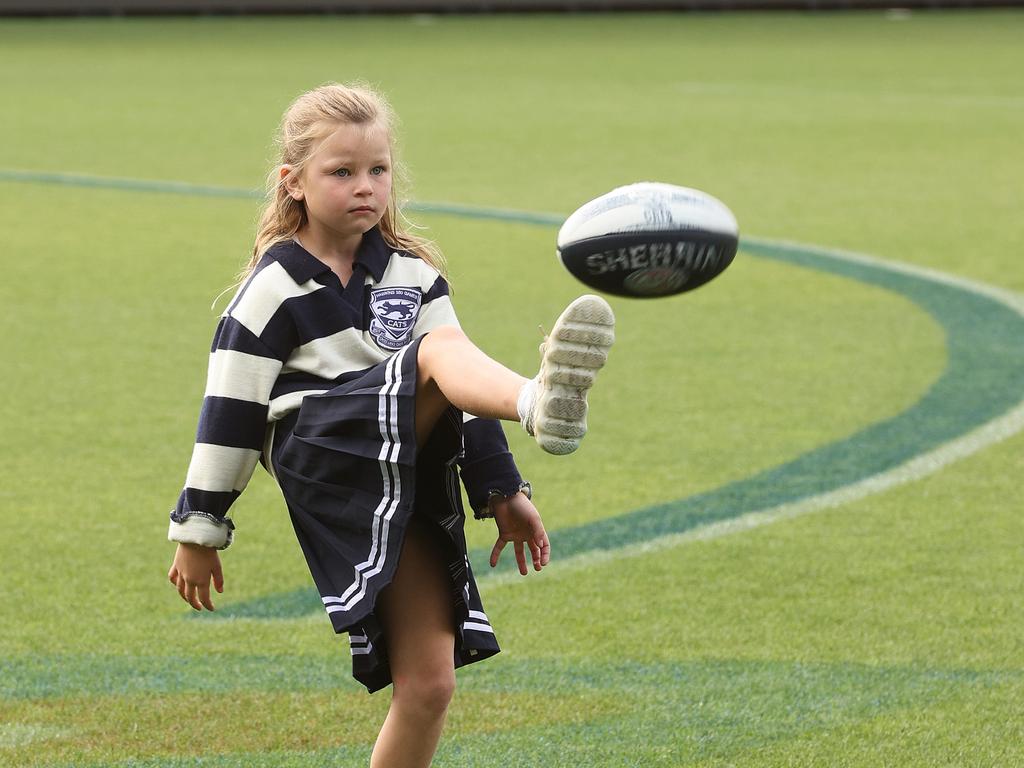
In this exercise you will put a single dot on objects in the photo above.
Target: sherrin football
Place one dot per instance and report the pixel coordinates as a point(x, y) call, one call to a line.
point(649, 239)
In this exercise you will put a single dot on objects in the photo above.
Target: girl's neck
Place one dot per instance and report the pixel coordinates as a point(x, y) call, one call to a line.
point(337, 253)
point(329, 247)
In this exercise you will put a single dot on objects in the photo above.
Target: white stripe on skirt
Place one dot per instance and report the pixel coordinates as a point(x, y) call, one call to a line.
point(360, 645)
point(392, 494)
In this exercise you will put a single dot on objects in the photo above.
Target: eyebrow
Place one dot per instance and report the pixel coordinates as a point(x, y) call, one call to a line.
point(341, 162)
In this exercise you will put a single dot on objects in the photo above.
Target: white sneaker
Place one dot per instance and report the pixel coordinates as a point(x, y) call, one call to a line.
point(553, 406)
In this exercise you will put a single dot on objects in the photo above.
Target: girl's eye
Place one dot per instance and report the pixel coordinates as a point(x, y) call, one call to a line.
point(378, 170)
point(342, 172)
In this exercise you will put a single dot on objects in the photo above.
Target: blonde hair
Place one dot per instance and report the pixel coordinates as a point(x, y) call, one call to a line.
point(309, 120)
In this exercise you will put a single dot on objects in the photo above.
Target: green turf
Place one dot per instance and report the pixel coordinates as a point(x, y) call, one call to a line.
point(884, 631)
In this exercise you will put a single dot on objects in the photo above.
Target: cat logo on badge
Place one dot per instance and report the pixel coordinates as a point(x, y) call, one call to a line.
point(394, 314)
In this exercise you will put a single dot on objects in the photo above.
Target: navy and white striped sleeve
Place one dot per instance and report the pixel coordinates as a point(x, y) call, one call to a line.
point(247, 354)
point(487, 464)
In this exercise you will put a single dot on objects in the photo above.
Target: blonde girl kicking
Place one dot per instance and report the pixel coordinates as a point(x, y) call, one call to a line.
point(340, 366)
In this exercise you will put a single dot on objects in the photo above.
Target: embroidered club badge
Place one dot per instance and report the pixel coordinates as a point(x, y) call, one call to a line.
point(394, 315)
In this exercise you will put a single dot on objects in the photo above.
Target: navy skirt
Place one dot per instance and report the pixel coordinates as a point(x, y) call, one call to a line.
point(354, 480)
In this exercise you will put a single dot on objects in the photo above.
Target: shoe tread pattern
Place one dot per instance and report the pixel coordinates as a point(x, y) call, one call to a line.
point(573, 353)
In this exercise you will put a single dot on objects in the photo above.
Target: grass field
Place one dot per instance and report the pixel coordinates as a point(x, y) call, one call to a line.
point(794, 534)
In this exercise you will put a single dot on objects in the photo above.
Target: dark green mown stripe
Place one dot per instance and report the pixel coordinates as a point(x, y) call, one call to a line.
point(292, 604)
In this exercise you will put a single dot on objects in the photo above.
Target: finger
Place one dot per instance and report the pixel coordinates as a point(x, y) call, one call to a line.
point(535, 553)
point(181, 587)
point(190, 591)
point(521, 558)
point(172, 575)
point(496, 550)
point(204, 596)
point(545, 551)
point(218, 577)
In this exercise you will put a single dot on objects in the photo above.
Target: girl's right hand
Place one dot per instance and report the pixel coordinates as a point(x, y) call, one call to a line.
point(191, 571)
point(519, 522)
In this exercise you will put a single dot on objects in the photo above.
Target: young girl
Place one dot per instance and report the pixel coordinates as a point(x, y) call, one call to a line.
point(340, 365)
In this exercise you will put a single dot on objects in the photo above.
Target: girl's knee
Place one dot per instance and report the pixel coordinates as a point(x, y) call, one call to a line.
point(429, 692)
point(449, 332)
point(436, 349)
point(440, 336)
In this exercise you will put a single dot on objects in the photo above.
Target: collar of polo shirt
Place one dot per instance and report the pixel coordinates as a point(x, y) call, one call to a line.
point(373, 255)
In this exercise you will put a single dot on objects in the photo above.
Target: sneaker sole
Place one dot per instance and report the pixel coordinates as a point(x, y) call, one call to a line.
point(575, 350)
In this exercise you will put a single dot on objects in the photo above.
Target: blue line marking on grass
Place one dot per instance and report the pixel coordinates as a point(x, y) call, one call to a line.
point(200, 190)
point(131, 185)
point(29, 678)
point(983, 381)
point(624, 713)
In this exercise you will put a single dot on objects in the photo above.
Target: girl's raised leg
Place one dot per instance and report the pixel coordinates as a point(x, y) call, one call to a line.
point(418, 620)
point(552, 406)
point(452, 365)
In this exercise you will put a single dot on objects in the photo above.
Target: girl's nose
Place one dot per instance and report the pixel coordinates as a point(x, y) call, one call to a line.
point(364, 187)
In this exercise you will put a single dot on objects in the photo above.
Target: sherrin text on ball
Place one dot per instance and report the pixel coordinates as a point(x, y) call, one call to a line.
point(649, 239)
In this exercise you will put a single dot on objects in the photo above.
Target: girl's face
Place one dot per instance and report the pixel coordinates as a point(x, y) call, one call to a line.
point(346, 185)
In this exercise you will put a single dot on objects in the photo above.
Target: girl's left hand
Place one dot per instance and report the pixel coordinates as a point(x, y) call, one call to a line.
point(193, 568)
point(519, 522)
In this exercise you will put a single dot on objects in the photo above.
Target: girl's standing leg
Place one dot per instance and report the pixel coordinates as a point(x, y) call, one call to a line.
point(416, 608)
point(418, 621)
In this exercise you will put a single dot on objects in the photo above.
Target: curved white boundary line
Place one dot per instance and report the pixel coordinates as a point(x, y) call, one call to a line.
point(921, 466)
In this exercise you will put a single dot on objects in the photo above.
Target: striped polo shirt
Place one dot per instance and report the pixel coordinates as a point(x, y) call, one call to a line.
point(292, 330)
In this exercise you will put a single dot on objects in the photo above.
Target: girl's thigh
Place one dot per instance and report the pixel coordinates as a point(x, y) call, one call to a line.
point(417, 613)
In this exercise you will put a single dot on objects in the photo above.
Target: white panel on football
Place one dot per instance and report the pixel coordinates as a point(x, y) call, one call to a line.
point(648, 207)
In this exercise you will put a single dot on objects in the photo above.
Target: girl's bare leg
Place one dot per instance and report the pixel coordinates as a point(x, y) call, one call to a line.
point(552, 406)
point(418, 621)
point(453, 369)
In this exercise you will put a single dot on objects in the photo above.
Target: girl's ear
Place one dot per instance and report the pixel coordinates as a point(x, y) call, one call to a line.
point(292, 182)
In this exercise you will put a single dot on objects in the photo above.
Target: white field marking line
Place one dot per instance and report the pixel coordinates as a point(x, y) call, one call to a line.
point(989, 433)
point(949, 99)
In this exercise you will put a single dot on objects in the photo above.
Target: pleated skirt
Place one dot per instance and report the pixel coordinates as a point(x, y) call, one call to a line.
point(354, 479)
